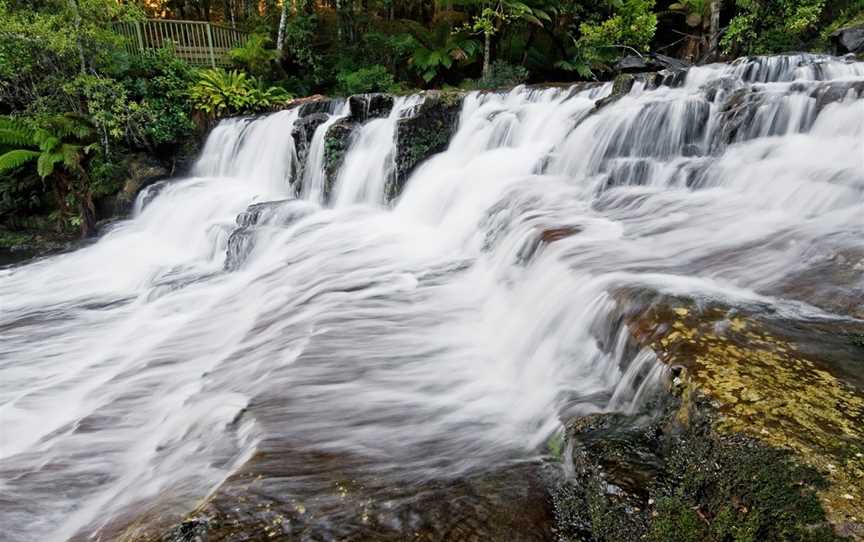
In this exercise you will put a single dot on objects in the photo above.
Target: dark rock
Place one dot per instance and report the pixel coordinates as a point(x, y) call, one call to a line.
point(673, 477)
point(848, 40)
point(337, 140)
point(313, 104)
point(621, 85)
point(632, 63)
point(369, 106)
point(143, 171)
point(649, 62)
point(428, 131)
point(279, 213)
point(303, 132)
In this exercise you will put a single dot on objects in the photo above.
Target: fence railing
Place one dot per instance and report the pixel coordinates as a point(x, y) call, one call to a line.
point(197, 42)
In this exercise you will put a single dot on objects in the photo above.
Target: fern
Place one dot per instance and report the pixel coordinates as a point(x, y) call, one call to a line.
point(16, 158)
point(14, 133)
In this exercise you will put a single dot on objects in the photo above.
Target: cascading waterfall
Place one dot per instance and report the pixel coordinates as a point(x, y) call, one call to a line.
point(370, 161)
point(447, 332)
point(314, 176)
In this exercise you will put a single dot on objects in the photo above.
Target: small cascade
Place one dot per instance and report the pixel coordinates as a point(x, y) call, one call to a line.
point(235, 327)
point(313, 183)
point(371, 159)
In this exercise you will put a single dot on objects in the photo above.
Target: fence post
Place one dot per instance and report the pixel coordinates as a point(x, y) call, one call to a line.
point(140, 37)
point(210, 45)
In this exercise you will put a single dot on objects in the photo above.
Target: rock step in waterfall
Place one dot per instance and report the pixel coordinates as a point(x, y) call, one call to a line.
point(498, 315)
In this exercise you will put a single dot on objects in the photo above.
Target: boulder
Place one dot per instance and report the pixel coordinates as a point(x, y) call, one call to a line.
point(143, 171)
point(428, 131)
point(649, 63)
point(848, 40)
point(369, 106)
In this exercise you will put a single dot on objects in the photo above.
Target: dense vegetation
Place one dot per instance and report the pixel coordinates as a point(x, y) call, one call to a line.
point(76, 105)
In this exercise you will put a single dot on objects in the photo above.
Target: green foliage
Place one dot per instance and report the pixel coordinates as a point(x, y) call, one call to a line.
point(159, 113)
point(372, 79)
point(254, 56)
point(632, 28)
point(441, 49)
point(58, 146)
point(218, 93)
point(502, 74)
point(772, 26)
point(300, 50)
point(56, 140)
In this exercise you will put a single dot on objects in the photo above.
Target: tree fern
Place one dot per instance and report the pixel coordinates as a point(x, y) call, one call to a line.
point(46, 161)
point(16, 158)
point(14, 133)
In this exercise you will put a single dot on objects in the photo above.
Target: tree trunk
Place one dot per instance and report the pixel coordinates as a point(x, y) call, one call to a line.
point(283, 21)
point(487, 52)
point(87, 214)
point(714, 32)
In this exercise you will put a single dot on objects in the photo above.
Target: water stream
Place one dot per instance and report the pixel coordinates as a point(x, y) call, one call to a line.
point(446, 332)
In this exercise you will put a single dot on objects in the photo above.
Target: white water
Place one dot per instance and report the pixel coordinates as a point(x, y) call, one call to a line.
point(432, 336)
point(371, 159)
point(314, 176)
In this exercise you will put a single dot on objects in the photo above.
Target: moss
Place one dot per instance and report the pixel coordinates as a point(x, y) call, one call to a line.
point(767, 389)
point(701, 485)
point(676, 521)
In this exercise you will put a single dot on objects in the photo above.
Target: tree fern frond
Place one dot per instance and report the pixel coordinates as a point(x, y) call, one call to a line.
point(16, 158)
point(45, 163)
point(14, 132)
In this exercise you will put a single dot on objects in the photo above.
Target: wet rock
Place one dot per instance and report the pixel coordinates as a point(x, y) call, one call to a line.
point(621, 85)
point(337, 140)
point(313, 104)
point(364, 107)
point(848, 40)
point(302, 133)
point(776, 385)
point(143, 171)
point(270, 500)
point(675, 477)
point(649, 62)
point(279, 213)
point(426, 132)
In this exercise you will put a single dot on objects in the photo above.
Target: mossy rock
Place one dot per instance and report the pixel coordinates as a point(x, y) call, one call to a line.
point(791, 386)
point(676, 478)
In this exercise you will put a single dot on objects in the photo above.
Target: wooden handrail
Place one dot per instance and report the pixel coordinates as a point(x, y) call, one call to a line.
point(199, 43)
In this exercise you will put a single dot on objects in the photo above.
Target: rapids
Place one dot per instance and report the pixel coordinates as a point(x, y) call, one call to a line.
point(442, 333)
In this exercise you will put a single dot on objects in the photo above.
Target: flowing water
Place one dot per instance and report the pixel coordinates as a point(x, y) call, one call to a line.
point(444, 333)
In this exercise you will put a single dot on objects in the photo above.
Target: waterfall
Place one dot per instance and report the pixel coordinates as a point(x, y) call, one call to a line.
point(314, 176)
point(371, 158)
point(448, 331)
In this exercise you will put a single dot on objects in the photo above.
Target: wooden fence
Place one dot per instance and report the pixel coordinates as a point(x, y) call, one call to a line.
point(197, 42)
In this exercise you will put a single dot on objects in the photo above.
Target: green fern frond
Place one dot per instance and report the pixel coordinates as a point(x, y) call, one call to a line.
point(46, 162)
point(14, 133)
point(17, 158)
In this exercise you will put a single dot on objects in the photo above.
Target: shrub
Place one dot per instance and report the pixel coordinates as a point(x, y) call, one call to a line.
point(372, 79)
point(218, 92)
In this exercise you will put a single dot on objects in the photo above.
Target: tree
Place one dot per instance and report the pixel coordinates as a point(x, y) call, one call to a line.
point(58, 146)
point(494, 15)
